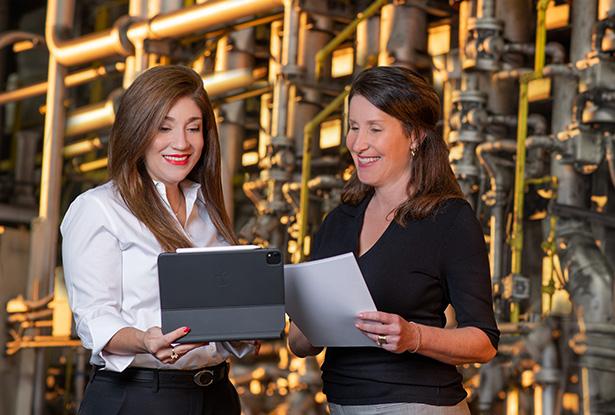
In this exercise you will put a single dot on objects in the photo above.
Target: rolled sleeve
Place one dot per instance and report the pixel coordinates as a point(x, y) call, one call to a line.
point(465, 266)
point(92, 260)
point(226, 348)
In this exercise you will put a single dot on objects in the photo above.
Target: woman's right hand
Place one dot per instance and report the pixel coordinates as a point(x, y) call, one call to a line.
point(160, 346)
point(299, 343)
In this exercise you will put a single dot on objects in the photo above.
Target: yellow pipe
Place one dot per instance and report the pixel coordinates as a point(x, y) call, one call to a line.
point(517, 229)
point(306, 165)
point(322, 54)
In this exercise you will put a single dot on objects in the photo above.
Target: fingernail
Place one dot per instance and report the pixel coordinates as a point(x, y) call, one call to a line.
point(186, 329)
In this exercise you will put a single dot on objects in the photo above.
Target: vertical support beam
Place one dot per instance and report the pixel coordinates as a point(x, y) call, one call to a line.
point(44, 232)
point(519, 191)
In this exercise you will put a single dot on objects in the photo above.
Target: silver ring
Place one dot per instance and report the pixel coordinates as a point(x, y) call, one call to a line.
point(174, 355)
point(382, 340)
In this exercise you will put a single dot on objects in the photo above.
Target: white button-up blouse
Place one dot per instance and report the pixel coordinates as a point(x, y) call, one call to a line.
point(110, 267)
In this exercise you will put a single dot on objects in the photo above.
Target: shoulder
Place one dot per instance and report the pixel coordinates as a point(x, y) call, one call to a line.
point(452, 208)
point(91, 206)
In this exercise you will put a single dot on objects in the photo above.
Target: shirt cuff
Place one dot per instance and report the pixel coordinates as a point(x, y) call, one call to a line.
point(102, 329)
point(240, 351)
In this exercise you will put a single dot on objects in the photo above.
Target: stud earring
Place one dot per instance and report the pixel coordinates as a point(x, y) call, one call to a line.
point(413, 152)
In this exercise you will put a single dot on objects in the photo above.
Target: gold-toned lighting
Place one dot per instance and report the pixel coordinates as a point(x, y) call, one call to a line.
point(331, 133)
point(342, 62)
point(82, 147)
point(23, 46)
point(93, 165)
point(557, 16)
point(249, 159)
point(539, 89)
point(439, 40)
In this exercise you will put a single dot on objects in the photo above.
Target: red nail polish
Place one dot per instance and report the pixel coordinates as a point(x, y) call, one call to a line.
point(186, 329)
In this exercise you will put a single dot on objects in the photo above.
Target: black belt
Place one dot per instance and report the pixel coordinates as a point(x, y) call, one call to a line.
point(159, 378)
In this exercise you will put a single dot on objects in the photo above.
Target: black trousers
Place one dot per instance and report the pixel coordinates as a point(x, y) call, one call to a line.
point(112, 396)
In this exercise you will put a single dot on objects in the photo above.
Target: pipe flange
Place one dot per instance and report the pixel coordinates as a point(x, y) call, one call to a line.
point(467, 135)
point(485, 23)
point(120, 32)
point(465, 170)
point(548, 376)
point(459, 96)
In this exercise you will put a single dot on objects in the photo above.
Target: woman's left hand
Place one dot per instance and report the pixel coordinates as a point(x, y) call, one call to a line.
point(389, 331)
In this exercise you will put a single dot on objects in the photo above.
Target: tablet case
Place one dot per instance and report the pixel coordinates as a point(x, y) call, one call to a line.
point(232, 295)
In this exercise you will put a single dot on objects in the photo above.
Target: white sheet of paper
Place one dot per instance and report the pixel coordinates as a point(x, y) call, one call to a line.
point(323, 298)
point(217, 248)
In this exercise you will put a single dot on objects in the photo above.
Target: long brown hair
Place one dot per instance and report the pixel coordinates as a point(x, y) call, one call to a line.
point(140, 114)
point(407, 96)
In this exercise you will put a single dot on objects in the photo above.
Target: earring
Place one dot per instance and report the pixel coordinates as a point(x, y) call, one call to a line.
point(413, 152)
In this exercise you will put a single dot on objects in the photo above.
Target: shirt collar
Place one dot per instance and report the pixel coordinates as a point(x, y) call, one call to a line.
point(189, 188)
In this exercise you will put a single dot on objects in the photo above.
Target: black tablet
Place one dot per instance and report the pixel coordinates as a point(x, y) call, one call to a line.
point(223, 295)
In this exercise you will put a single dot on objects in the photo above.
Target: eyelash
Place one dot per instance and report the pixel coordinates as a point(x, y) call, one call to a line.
point(192, 130)
point(372, 130)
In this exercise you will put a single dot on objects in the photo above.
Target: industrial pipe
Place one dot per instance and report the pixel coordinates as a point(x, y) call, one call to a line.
point(102, 114)
point(517, 230)
point(73, 79)
point(308, 130)
point(126, 32)
point(322, 54)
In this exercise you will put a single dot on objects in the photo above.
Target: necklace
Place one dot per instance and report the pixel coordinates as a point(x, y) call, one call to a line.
point(179, 206)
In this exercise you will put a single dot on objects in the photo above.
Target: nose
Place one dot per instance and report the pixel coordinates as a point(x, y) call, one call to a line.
point(357, 141)
point(180, 141)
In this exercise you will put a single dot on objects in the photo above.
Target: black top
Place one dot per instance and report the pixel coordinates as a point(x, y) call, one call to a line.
point(415, 272)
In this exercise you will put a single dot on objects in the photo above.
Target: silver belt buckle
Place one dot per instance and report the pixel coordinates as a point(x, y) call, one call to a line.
point(204, 377)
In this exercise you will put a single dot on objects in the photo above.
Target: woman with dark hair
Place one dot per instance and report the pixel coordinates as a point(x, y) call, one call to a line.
point(165, 193)
point(419, 247)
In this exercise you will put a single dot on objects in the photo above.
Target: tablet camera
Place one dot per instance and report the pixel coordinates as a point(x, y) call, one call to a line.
point(273, 257)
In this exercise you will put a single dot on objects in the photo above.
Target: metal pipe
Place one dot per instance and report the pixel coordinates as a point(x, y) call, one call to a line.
point(485, 9)
point(548, 377)
point(126, 33)
point(517, 229)
point(90, 118)
point(536, 121)
point(610, 158)
point(308, 130)
point(554, 50)
point(44, 233)
point(82, 147)
point(322, 54)
point(73, 79)
point(101, 115)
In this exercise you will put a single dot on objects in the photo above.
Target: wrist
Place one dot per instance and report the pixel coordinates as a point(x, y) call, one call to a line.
point(417, 337)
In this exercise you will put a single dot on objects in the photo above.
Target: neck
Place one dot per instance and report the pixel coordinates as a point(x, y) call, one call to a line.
point(174, 195)
point(388, 197)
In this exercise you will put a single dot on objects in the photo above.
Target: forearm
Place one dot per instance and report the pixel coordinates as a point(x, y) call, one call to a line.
point(456, 346)
point(299, 344)
point(127, 341)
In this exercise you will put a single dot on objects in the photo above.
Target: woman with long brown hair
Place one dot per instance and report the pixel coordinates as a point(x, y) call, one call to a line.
point(419, 247)
point(165, 193)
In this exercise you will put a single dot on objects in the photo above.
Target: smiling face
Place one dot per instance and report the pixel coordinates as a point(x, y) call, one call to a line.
point(379, 145)
point(177, 146)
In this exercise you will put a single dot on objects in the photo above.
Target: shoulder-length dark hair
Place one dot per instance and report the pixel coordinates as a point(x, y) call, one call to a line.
point(140, 114)
point(407, 96)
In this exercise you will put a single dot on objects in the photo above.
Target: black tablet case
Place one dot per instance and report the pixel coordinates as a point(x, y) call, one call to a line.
point(222, 295)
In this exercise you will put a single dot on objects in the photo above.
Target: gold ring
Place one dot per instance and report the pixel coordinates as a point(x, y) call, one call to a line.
point(174, 354)
point(382, 340)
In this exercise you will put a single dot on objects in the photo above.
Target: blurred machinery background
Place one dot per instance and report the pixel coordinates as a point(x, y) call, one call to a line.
point(528, 103)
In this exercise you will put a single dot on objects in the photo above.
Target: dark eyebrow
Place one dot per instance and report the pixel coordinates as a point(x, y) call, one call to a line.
point(368, 121)
point(169, 118)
